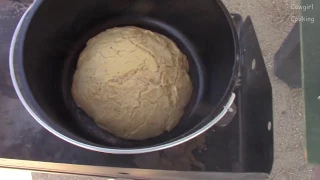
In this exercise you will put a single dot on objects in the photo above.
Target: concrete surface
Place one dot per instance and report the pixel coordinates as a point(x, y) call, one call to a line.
point(272, 21)
point(38, 176)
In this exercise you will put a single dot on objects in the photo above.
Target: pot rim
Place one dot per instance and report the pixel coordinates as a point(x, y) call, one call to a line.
point(225, 109)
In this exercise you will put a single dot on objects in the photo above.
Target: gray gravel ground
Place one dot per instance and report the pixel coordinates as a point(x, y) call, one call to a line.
point(272, 23)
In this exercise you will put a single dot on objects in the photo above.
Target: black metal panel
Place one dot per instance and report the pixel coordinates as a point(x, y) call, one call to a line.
point(255, 104)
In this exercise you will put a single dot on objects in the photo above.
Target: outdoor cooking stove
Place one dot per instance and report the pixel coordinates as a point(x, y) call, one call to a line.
point(241, 142)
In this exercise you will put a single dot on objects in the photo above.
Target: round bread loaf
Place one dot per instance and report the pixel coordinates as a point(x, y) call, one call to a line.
point(134, 83)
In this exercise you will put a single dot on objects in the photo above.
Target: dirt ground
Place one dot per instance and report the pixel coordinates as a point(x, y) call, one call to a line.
point(272, 22)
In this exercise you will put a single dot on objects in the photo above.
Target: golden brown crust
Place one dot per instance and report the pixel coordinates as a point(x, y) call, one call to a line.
point(133, 82)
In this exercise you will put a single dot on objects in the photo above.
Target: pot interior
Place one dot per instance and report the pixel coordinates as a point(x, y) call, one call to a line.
point(56, 31)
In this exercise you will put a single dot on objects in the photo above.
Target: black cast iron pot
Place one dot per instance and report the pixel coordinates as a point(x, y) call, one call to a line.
point(52, 33)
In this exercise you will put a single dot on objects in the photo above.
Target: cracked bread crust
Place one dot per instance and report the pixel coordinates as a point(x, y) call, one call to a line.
point(134, 83)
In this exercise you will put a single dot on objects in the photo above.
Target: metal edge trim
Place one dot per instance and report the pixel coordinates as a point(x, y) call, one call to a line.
point(90, 147)
point(125, 173)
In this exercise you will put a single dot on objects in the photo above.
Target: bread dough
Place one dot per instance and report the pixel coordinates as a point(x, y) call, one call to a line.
point(134, 83)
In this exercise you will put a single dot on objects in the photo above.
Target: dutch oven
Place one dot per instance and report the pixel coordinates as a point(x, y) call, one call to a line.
point(52, 33)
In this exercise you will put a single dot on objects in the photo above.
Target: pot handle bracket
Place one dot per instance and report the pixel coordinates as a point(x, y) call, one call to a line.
point(227, 114)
